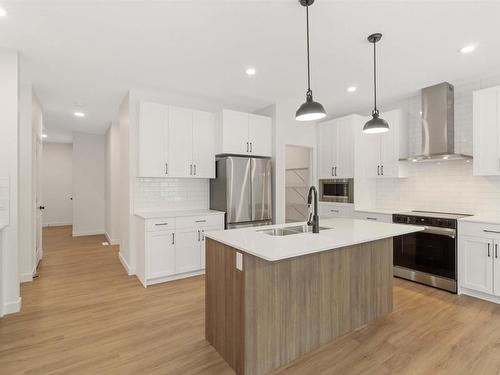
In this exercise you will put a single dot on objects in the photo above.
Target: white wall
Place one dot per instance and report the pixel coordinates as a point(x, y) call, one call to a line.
point(57, 183)
point(447, 186)
point(112, 184)
point(88, 184)
point(9, 96)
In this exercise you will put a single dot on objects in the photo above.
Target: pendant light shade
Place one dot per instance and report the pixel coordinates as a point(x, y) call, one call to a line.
point(376, 124)
point(310, 110)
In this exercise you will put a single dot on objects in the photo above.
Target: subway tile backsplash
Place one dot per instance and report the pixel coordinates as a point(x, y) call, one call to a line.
point(171, 194)
point(441, 186)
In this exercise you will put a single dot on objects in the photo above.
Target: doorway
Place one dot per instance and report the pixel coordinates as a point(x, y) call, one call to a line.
point(298, 179)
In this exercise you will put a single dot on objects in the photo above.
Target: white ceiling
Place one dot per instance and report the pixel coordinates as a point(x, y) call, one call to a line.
point(92, 52)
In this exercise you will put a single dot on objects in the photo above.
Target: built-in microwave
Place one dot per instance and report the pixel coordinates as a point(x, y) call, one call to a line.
point(337, 190)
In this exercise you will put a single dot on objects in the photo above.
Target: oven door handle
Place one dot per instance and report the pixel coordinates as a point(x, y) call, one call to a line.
point(441, 231)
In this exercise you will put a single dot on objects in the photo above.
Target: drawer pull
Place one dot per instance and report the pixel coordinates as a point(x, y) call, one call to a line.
point(200, 221)
point(491, 231)
point(337, 211)
point(371, 218)
point(160, 224)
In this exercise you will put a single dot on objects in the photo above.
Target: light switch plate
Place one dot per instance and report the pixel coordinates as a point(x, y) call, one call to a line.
point(239, 261)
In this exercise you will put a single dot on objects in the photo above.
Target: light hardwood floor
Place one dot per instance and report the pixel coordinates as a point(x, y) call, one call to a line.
point(86, 316)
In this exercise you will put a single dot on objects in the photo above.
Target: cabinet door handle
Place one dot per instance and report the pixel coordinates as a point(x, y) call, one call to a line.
point(378, 170)
point(491, 231)
point(251, 146)
point(335, 171)
point(489, 254)
point(203, 234)
point(190, 169)
point(195, 169)
point(247, 146)
point(382, 169)
point(332, 171)
point(198, 235)
point(173, 238)
point(496, 251)
point(166, 168)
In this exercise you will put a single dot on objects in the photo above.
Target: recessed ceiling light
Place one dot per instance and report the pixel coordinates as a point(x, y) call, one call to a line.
point(468, 49)
point(44, 135)
point(250, 71)
point(3, 12)
point(352, 89)
point(79, 114)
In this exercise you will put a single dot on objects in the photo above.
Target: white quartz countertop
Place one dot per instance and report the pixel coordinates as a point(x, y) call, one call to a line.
point(385, 211)
point(485, 219)
point(343, 232)
point(163, 213)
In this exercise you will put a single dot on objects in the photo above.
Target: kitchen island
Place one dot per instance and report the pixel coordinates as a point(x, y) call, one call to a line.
point(275, 293)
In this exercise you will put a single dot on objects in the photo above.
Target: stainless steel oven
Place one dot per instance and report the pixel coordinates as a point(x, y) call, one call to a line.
point(337, 190)
point(430, 256)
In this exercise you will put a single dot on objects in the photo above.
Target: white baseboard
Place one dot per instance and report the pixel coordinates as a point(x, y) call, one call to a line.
point(163, 279)
point(480, 295)
point(112, 241)
point(61, 224)
point(130, 271)
point(25, 277)
point(87, 233)
point(12, 307)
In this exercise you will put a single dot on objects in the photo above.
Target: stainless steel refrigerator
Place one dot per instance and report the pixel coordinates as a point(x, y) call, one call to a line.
point(242, 189)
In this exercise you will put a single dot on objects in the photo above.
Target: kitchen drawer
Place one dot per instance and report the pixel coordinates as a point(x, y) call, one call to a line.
point(155, 225)
point(328, 210)
point(200, 221)
point(362, 215)
point(479, 230)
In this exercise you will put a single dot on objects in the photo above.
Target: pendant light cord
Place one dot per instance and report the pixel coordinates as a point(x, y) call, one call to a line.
point(375, 110)
point(309, 92)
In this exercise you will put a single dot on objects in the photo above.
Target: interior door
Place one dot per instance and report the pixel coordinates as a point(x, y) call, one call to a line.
point(238, 190)
point(187, 250)
point(260, 170)
point(235, 132)
point(153, 133)
point(180, 146)
point(204, 144)
point(37, 138)
point(476, 266)
point(260, 135)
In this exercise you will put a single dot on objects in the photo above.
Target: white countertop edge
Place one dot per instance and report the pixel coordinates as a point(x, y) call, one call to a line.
point(483, 219)
point(175, 213)
point(408, 229)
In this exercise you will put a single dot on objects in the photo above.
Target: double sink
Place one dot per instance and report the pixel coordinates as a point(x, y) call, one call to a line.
point(286, 231)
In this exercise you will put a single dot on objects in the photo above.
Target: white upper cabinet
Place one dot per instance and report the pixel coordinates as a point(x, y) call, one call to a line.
point(244, 134)
point(203, 144)
point(176, 142)
point(336, 147)
point(486, 132)
point(382, 152)
point(153, 140)
point(260, 135)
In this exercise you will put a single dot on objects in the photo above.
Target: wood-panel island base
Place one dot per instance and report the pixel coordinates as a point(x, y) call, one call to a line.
point(270, 313)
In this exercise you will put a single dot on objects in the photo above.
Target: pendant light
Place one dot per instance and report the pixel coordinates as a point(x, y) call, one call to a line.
point(310, 110)
point(376, 124)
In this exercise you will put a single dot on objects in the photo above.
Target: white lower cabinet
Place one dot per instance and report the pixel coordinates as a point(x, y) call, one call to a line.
point(173, 248)
point(161, 253)
point(479, 260)
point(329, 210)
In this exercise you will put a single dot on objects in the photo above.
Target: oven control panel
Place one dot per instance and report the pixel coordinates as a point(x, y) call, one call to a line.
point(424, 220)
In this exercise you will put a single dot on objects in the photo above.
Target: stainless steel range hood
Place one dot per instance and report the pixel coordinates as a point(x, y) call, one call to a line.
point(438, 125)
